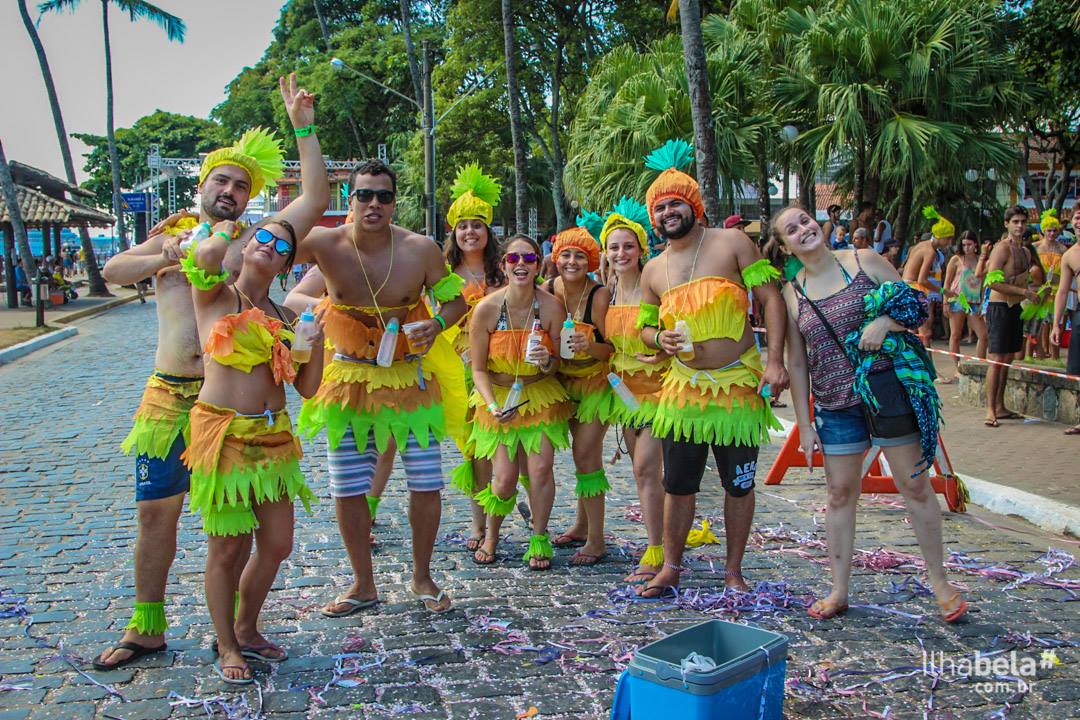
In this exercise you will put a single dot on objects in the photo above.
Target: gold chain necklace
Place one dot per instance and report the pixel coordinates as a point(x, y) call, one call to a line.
point(581, 299)
point(389, 271)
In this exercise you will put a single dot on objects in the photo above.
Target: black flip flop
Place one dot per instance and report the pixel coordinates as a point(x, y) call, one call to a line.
point(137, 651)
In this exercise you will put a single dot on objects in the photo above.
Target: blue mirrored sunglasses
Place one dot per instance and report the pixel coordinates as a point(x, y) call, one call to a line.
point(265, 237)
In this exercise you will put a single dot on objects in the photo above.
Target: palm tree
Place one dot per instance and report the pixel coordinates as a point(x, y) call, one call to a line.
point(903, 96)
point(517, 136)
point(137, 10)
point(93, 274)
point(697, 77)
point(7, 190)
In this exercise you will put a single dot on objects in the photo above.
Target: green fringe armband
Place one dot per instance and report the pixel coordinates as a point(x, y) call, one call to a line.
point(758, 273)
point(591, 484)
point(495, 505)
point(963, 302)
point(539, 547)
point(994, 276)
point(199, 277)
point(649, 316)
point(463, 479)
point(373, 506)
point(653, 556)
point(448, 288)
point(524, 480)
point(148, 618)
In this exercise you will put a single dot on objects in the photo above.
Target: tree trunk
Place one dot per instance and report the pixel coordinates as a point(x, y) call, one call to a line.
point(1066, 180)
point(410, 48)
point(558, 162)
point(697, 78)
point(110, 131)
point(93, 274)
point(521, 197)
point(860, 176)
point(764, 201)
point(22, 242)
point(348, 111)
point(903, 211)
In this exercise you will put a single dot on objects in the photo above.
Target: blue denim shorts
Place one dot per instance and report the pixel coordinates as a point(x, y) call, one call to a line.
point(844, 432)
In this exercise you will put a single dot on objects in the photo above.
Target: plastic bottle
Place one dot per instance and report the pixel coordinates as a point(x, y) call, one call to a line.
point(388, 344)
point(565, 351)
point(535, 339)
point(620, 389)
point(686, 352)
point(201, 232)
point(514, 396)
point(301, 347)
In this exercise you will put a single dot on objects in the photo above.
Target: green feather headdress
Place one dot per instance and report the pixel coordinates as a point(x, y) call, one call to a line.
point(475, 195)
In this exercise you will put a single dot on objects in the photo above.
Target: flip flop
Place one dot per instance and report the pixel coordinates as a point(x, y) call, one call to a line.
point(1010, 416)
point(643, 578)
point(425, 598)
point(137, 651)
point(584, 559)
point(662, 591)
point(536, 568)
point(568, 540)
point(1073, 431)
point(472, 544)
point(219, 670)
point(957, 611)
point(991, 423)
point(257, 652)
point(822, 609)
point(490, 557)
point(355, 606)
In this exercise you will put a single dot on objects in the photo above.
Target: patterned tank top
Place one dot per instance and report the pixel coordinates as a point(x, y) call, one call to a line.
point(831, 375)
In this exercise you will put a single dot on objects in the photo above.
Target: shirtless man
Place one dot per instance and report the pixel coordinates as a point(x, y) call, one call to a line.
point(1070, 271)
point(1011, 272)
point(161, 480)
point(925, 259)
point(711, 399)
point(360, 404)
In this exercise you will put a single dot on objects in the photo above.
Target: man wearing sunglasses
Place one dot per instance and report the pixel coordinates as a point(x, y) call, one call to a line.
point(376, 273)
point(228, 177)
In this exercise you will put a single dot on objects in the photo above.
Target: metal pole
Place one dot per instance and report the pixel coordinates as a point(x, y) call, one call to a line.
point(9, 266)
point(430, 211)
point(40, 284)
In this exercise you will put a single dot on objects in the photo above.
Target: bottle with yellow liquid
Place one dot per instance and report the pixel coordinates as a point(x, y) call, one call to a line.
point(301, 346)
point(686, 351)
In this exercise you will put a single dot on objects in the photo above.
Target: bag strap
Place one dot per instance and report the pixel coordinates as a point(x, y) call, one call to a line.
point(825, 323)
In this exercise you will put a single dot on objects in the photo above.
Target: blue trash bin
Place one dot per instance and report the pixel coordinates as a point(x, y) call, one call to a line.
point(747, 684)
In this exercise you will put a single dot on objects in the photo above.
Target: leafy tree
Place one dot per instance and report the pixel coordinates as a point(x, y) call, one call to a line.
point(136, 10)
point(178, 136)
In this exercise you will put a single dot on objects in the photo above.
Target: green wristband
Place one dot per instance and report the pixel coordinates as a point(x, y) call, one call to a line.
point(227, 236)
point(442, 323)
point(304, 131)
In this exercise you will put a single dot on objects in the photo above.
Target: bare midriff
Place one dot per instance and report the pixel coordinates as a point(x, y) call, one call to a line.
point(179, 351)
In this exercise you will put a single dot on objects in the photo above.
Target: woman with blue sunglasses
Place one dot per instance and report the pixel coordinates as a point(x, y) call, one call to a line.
point(243, 455)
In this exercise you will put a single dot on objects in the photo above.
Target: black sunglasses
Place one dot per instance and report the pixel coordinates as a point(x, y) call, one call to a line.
point(364, 195)
point(514, 258)
point(281, 246)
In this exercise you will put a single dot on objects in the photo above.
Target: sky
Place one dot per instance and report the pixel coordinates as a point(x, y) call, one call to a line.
point(149, 72)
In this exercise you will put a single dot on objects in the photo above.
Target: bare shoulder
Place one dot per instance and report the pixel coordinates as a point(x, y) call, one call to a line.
point(489, 304)
point(1072, 258)
point(729, 241)
point(549, 302)
point(320, 235)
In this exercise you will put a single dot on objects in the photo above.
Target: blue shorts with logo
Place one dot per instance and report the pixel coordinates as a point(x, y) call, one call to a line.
point(158, 478)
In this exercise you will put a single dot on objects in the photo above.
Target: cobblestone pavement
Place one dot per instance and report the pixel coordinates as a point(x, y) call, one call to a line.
point(515, 640)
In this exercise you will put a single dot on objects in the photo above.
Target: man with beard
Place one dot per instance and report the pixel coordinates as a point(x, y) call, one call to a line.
point(377, 276)
point(228, 177)
point(695, 307)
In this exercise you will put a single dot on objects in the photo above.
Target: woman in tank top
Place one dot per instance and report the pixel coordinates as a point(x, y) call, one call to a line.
point(831, 287)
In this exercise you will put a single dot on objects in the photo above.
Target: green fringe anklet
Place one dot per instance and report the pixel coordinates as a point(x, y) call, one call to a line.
point(591, 484)
point(148, 618)
point(523, 480)
point(653, 556)
point(236, 604)
point(495, 505)
point(373, 505)
point(539, 547)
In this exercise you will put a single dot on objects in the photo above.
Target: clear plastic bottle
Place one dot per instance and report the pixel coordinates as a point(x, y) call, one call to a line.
point(620, 389)
point(388, 344)
point(201, 232)
point(686, 352)
point(565, 351)
point(514, 396)
point(301, 346)
point(535, 339)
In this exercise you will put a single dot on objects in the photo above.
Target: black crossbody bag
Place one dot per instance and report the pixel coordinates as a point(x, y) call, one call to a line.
point(895, 416)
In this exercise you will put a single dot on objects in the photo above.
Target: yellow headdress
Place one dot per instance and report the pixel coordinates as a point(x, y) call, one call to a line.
point(942, 228)
point(673, 182)
point(631, 215)
point(475, 196)
point(1049, 220)
point(258, 151)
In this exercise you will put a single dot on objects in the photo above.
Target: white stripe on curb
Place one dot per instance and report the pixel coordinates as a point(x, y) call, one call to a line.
point(1043, 512)
point(25, 348)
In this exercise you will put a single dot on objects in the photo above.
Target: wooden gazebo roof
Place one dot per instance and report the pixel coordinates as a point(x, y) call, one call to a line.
point(39, 209)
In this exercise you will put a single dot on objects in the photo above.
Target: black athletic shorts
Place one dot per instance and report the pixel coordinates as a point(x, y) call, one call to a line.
point(684, 466)
point(1072, 365)
point(1006, 329)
